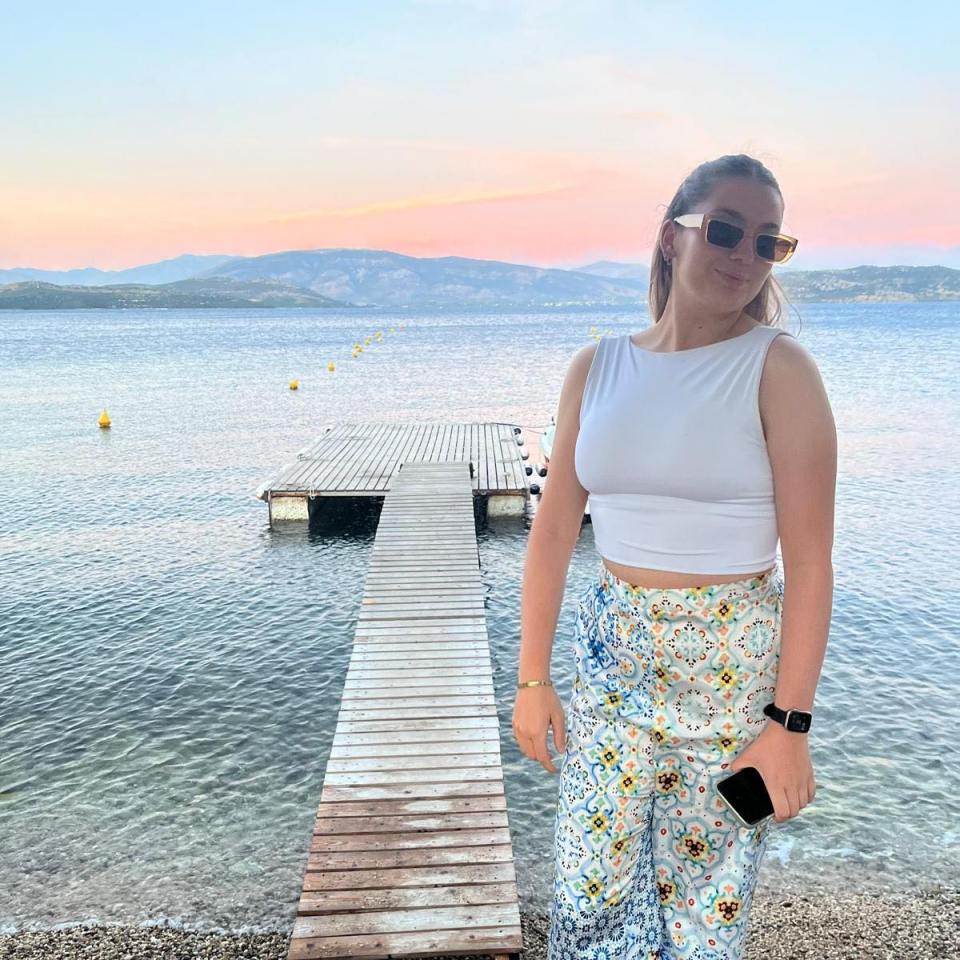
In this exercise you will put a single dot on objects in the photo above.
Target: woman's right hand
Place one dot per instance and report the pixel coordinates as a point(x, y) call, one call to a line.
point(534, 710)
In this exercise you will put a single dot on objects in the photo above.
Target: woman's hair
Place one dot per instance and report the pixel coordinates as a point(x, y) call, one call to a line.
point(765, 306)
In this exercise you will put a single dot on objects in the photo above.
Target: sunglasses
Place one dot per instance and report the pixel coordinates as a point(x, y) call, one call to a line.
point(774, 247)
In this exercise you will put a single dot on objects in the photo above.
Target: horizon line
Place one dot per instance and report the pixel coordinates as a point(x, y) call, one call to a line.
point(454, 256)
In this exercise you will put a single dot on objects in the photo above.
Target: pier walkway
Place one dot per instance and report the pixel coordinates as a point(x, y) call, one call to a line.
point(411, 853)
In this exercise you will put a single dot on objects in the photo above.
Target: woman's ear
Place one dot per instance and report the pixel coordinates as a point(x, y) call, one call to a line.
point(666, 242)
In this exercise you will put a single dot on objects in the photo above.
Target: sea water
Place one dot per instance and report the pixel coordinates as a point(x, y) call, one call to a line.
point(171, 668)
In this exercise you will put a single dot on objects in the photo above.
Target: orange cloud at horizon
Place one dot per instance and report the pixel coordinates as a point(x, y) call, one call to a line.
point(580, 213)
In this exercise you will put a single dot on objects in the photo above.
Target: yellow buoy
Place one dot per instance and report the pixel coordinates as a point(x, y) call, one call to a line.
point(294, 384)
point(104, 420)
point(391, 329)
point(331, 366)
point(367, 342)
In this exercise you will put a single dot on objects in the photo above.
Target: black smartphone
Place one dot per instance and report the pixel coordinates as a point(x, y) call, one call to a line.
point(745, 793)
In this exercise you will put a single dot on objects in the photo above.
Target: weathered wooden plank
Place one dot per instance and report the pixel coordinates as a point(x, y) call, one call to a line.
point(469, 599)
point(405, 686)
point(418, 768)
point(383, 946)
point(367, 859)
point(482, 803)
point(514, 467)
point(458, 632)
point(485, 720)
point(472, 666)
point(389, 921)
point(396, 714)
point(443, 639)
point(493, 452)
point(412, 741)
point(397, 778)
point(392, 878)
point(370, 659)
point(384, 824)
point(371, 669)
point(409, 840)
point(394, 732)
point(486, 746)
point(468, 575)
point(421, 619)
point(419, 539)
point(410, 791)
point(332, 901)
point(415, 703)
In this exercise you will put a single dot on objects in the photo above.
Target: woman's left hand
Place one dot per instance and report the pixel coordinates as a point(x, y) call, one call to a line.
point(783, 759)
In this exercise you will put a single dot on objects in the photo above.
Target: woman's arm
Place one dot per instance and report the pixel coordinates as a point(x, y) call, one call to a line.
point(555, 530)
point(802, 446)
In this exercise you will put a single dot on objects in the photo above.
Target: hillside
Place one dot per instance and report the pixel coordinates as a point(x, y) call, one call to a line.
point(382, 278)
point(213, 292)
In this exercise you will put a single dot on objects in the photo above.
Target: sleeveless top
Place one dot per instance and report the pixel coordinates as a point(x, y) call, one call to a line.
point(672, 455)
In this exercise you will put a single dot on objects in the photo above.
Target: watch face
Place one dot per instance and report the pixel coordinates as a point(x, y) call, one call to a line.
point(798, 722)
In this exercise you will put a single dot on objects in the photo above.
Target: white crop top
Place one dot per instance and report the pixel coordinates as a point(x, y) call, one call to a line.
point(672, 455)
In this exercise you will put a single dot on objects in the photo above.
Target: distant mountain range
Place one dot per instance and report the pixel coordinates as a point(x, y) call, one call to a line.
point(618, 271)
point(166, 271)
point(380, 278)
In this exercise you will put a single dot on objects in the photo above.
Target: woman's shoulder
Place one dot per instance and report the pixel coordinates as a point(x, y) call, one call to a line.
point(582, 358)
point(786, 350)
point(791, 379)
point(579, 365)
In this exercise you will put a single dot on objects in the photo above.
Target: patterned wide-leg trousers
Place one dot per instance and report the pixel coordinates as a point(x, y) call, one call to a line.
point(650, 864)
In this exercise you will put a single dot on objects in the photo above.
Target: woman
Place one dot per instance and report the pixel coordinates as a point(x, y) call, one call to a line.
point(700, 442)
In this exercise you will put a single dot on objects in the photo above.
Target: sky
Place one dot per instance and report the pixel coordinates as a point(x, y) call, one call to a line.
point(529, 131)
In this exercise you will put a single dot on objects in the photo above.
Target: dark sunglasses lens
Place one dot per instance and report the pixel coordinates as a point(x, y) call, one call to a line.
point(772, 248)
point(723, 234)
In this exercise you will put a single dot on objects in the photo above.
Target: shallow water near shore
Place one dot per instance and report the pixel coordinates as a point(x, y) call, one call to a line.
point(170, 668)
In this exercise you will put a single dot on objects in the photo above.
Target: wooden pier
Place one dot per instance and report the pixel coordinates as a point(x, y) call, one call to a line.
point(361, 459)
point(411, 853)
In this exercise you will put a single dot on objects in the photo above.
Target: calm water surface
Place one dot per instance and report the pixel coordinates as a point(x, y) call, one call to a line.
point(171, 669)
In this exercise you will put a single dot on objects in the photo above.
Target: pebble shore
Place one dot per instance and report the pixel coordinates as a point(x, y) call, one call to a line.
point(924, 926)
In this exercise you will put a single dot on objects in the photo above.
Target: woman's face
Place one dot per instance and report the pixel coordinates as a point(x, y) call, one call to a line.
point(728, 279)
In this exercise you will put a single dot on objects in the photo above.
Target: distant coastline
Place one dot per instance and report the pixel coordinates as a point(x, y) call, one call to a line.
point(380, 278)
point(197, 294)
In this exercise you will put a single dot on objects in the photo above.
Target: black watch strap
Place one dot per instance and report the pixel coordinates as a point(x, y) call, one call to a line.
point(796, 720)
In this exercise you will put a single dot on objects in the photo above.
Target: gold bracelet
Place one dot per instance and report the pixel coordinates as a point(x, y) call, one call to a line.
point(535, 683)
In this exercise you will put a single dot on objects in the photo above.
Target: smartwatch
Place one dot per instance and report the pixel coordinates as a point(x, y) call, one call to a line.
point(796, 720)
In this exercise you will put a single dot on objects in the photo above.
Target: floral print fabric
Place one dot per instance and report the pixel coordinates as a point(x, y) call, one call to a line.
point(670, 686)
